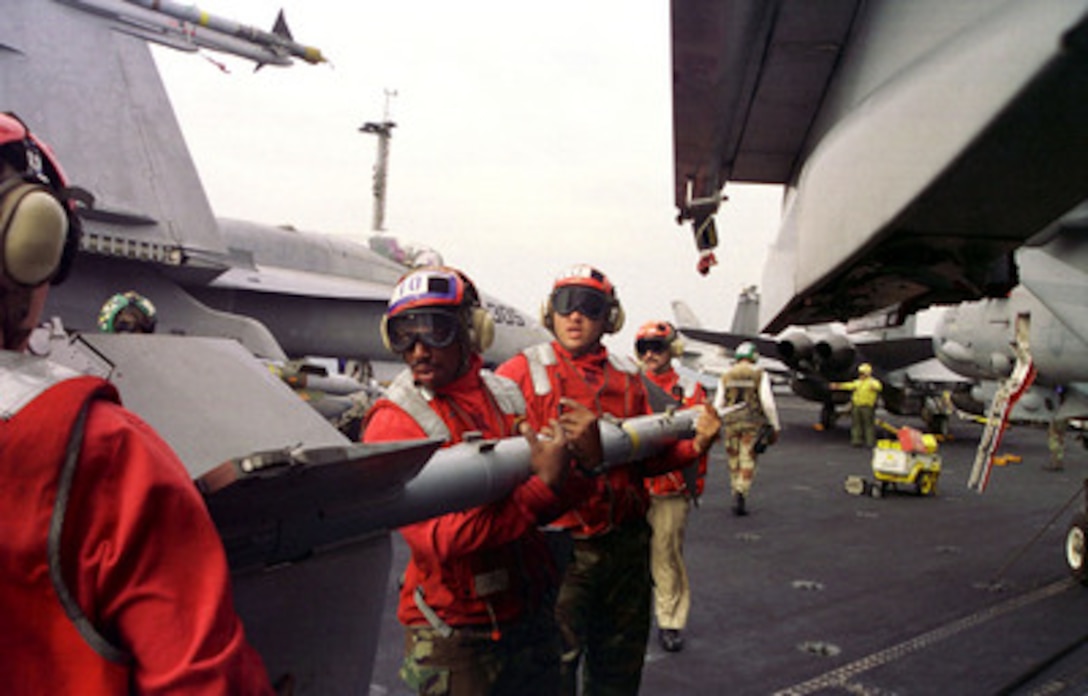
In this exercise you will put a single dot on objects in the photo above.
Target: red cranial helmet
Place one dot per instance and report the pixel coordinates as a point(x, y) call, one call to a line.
point(447, 300)
point(584, 289)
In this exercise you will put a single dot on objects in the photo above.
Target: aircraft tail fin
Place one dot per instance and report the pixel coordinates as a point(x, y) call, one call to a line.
point(746, 315)
point(685, 316)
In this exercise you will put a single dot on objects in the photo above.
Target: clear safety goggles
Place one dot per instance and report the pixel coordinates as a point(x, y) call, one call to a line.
point(432, 329)
point(590, 303)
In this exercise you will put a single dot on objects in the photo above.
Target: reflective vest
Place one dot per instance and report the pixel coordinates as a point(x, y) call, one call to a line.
point(620, 495)
point(740, 385)
point(404, 393)
point(685, 392)
point(47, 645)
point(489, 585)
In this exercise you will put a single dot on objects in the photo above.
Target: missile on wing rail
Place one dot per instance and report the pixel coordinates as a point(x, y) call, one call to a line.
point(281, 505)
point(174, 31)
point(278, 40)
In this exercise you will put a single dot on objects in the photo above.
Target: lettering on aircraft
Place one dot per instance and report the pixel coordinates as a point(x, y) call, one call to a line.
point(505, 315)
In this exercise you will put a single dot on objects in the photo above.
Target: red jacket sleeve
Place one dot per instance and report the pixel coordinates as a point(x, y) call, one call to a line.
point(151, 571)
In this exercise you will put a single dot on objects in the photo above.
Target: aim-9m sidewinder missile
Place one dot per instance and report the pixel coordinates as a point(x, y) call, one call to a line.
point(311, 498)
point(187, 28)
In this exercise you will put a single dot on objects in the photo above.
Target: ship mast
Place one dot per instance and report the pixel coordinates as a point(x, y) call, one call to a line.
point(384, 130)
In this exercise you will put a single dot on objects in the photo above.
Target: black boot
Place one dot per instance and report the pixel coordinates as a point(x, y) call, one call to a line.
point(671, 640)
point(738, 505)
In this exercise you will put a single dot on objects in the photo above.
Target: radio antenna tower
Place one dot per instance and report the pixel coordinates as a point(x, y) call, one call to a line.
point(384, 130)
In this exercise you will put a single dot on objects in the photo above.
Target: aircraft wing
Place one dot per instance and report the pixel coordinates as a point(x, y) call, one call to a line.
point(920, 143)
point(895, 353)
point(765, 346)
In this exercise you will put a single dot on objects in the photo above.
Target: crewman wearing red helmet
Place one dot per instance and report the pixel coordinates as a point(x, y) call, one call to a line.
point(604, 599)
point(671, 494)
point(477, 596)
point(113, 579)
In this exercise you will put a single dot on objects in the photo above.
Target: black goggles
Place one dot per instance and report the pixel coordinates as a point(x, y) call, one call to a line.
point(652, 345)
point(590, 303)
point(433, 329)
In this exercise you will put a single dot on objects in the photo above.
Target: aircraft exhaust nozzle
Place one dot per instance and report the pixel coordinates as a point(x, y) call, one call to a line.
point(835, 353)
point(795, 348)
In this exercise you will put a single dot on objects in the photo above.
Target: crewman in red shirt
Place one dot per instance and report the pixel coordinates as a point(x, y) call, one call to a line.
point(603, 607)
point(113, 579)
point(671, 494)
point(478, 594)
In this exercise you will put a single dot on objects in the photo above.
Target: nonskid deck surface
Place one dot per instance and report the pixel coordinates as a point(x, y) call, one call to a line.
point(817, 591)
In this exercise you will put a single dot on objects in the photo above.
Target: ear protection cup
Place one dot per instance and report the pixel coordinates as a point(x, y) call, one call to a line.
point(676, 348)
point(481, 329)
point(546, 314)
point(384, 331)
point(616, 318)
point(34, 232)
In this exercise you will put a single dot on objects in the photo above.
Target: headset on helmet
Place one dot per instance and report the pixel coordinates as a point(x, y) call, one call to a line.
point(39, 230)
point(442, 288)
point(661, 331)
point(121, 301)
point(586, 276)
point(746, 351)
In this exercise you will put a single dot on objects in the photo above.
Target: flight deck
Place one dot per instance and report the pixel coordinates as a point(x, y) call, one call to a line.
point(818, 591)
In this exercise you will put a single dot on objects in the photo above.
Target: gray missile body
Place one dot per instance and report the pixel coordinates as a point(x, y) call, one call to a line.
point(187, 29)
point(281, 505)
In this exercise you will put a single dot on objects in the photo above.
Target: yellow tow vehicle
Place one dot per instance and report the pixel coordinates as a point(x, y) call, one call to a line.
point(909, 460)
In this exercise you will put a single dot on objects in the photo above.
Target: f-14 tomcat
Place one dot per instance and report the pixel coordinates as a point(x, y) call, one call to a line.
point(304, 513)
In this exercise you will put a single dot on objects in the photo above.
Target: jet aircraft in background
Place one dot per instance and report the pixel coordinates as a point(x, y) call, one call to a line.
point(279, 291)
point(810, 358)
point(304, 512)
point(976, 339)
point(711, 359)
point(903, 188)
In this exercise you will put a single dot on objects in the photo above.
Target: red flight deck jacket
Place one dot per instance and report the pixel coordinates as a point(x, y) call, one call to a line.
point(487, 564)
point(138, 557)
point(607, 385)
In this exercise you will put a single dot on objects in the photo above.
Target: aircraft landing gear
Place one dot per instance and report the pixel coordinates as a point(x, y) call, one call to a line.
point(827, 415)
point(1075, 551)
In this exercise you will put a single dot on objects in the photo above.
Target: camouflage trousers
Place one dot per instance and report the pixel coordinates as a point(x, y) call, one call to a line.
point(524, 660)
point(739, 444)
point(603, 611)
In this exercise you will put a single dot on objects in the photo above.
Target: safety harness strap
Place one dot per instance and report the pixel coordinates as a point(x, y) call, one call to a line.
point(540, 357)
point(404, 393)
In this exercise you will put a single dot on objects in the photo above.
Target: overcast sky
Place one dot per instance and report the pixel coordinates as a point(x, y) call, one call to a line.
point(530, 136)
